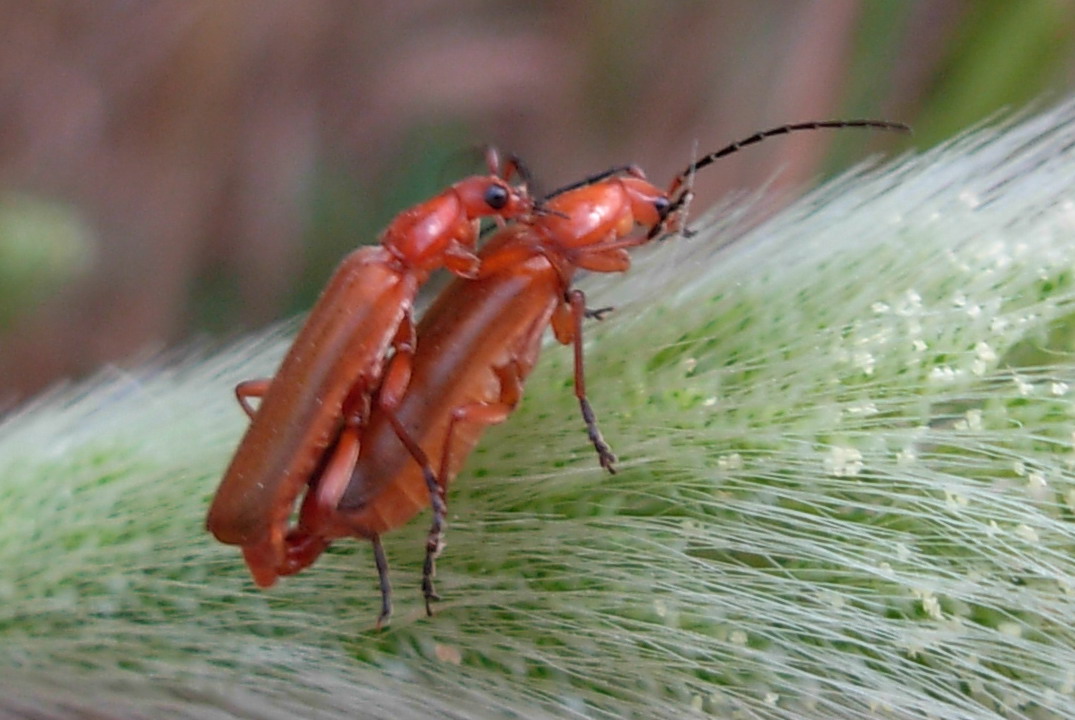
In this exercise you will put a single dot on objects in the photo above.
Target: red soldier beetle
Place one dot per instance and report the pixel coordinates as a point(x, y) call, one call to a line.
point(477, 344)
point(334, 365)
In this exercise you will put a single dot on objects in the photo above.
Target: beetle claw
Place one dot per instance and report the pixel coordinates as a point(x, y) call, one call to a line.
point(431, 596)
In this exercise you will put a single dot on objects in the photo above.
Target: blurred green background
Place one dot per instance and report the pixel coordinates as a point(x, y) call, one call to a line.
point(174, 169)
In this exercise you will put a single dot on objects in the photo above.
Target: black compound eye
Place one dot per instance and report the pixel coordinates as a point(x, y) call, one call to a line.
point(496, 196)
point(662, 205)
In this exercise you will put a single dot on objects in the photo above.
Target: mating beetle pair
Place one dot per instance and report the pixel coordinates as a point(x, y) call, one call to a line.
point(372, 416)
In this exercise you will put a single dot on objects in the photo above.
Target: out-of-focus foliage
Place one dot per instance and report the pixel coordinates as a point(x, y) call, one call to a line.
point(42, 246)
point(227, 154)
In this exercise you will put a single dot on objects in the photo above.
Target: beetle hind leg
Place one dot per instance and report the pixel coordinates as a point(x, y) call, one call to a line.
point(435, 538)
point(381, 562)
point(435, 486)
point(482, 414)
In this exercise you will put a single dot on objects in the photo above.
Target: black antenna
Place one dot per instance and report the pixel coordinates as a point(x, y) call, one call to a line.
point(688, 173)
point(728, 150)
point(596, 178)
point(782, 130)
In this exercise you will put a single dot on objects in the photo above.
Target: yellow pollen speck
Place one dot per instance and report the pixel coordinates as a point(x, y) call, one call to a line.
point(1027, 532)
point(974, 419)
point(865, 361)
point(1037, 486)
point(985, 351)
point(731, 461)
point(1068, 687)
point(954, 501)
point(1010, 629)
point(930, 604)
point(844, 462)
point(942, 373)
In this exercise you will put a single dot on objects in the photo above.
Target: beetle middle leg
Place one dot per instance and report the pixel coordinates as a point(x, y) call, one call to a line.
point(567, 324)
point(598, 313)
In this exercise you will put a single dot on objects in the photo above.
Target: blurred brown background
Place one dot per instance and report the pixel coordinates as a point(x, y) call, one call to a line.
point(170, 169)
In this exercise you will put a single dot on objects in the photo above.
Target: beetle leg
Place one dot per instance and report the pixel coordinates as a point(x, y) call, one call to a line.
point(483, 414)
point(318, 512)
point(459, 259)
point(599, 258)
point(435, 487)
point(598, 313)
point(577, 301)
point(306, 542)
point(398, 373)
point(251, 389)
point(382, 575)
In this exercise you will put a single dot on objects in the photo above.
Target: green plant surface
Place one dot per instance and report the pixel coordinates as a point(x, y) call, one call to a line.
point(845, 491)
point(43, 244)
